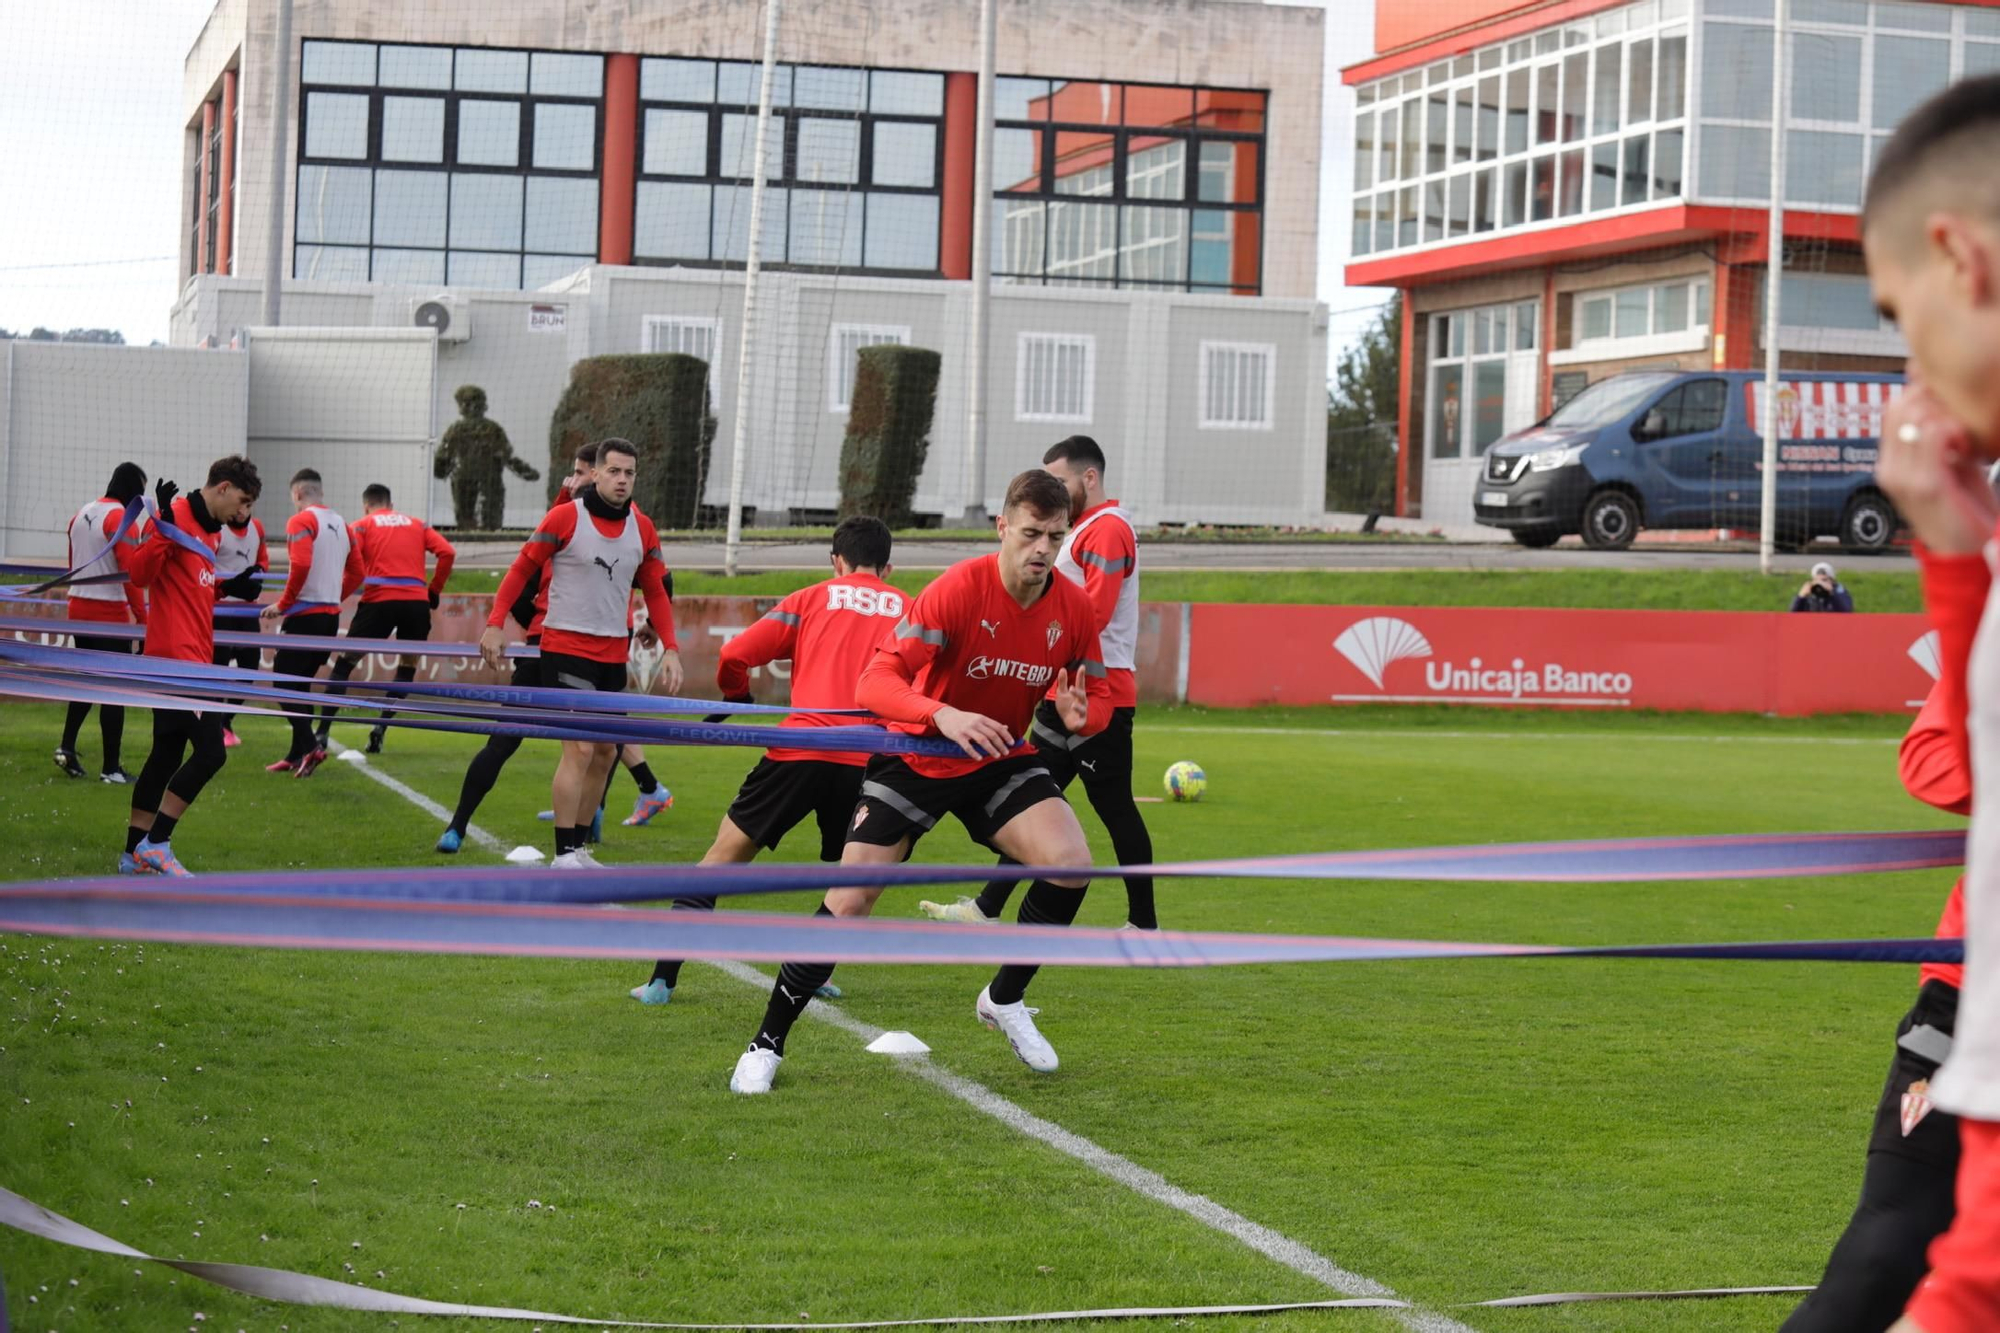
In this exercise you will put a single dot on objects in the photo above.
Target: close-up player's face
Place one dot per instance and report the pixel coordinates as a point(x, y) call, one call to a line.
point(1029, 541)
point(1938, 278)
point(231, 505)
point(615, 474)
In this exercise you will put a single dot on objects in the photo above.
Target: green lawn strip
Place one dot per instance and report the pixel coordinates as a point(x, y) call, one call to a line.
point(1454, 1129)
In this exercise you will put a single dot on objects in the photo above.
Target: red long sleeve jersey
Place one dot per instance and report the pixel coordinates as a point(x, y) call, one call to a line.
point(829, 631)
point(387, 544)
point(967, 644)
point(1103, 555)
point(557, 528)
point(182, 621)
point(128, 606)
point(1935, 762)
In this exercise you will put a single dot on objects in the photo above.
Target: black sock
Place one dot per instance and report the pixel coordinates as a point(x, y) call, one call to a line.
point(73, 725)
point(993, 898)
point(1133, 846)
point(404, 675)
point(111, 725)
point(568, 839)
point(133, 837)
point(480, 775)
point(163, 827)
point(669, 969)
point(643, 775)
point(789, 997)
point(1046, 904)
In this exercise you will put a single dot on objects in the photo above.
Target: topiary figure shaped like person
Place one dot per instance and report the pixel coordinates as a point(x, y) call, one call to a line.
point(473, 453)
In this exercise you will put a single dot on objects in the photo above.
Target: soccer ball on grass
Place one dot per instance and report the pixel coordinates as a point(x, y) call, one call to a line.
point(1185, 781)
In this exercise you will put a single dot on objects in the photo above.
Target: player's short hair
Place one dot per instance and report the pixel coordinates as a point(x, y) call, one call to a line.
point(375, 494)
point(862, 542)
point(1040, 493)
point(239, 472)
point(614, 445)
point(128, 483)
point(1953, 137)
point(1079, 449)
point(306, 484)
point(586, 454)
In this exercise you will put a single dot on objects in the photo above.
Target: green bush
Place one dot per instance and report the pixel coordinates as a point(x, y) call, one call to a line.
point(888, 431)
point(659, 401)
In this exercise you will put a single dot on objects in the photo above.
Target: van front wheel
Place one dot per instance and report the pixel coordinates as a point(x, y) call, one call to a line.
point(1610, 521)
point(1869, 524)
point(1537, 538)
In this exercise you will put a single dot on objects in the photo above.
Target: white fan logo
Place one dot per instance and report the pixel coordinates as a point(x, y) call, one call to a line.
point(1924, 652)
point(1372, 644)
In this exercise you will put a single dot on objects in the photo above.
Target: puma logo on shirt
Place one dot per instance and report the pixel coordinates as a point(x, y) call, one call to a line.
point(610, 570)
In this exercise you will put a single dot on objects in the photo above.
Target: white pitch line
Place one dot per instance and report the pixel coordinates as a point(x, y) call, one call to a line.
point(1271, 1244)
point(1626, 737)
point(416, 798)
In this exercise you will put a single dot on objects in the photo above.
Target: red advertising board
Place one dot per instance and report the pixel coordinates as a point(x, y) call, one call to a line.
point(1722, 662)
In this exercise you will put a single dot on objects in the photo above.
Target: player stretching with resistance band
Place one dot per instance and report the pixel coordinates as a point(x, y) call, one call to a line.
point(829, 632)
point(92, 553)
point(598, 549)
point(385, 560)
point(177, 566)
point(969, 662)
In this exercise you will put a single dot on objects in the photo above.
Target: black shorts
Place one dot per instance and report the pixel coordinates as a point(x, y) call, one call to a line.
point(249, 657)
point(1922, 1038)
point(305, 661)
point(561, 671)
point(897, 802)
point(406, 619)
point(90, 643)
point(1102, 761)
point(778, 794)
point(527, 670)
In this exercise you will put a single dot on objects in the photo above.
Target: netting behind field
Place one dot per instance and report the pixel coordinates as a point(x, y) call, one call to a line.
point(488, 198)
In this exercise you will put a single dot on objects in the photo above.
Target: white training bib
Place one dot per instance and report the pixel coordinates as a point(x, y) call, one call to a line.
point(329, 558)
point(590, 588)
point(88, 548)
point(1120, 636)
point(236, 551)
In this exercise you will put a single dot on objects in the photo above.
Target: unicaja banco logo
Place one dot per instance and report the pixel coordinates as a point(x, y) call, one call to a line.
point(1924, 652)
point(1372, 644)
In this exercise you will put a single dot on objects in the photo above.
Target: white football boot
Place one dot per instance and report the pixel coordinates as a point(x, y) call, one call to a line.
point(1016, 1022)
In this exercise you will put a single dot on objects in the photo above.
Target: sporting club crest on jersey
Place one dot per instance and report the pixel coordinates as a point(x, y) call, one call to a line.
point(1916, 1105)
point(1055, 632)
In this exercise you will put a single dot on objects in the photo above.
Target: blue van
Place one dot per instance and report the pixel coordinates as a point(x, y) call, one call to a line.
point(1681, 449)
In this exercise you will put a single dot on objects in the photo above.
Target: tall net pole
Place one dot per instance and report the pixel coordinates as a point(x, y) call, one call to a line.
point(982, 278)
point(281, 101)
point(732, 548)
point(1773, 275)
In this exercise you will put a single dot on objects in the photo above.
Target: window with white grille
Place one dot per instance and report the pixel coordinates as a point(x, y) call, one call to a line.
point(843, 344)
point(1055, 377)
point(1236, 385)
point(688, 335)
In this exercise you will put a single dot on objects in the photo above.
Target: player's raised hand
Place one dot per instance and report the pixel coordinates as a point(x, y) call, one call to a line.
point(1073, 701)
point(1931, 471)
point(975, 733)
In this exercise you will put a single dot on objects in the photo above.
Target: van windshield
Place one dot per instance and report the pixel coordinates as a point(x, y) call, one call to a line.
point(1608, 401)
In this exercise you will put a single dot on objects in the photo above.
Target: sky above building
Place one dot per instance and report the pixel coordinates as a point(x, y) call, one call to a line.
point(91, 168)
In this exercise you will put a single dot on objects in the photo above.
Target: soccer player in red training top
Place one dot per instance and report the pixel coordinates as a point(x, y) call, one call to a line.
point(179, 626)
point(92, 552)
point(1931, 230)
point(1102, 554)
point(243, 555)
point(386, 545)
point(597, 549)
point(969, 662)
point(1906, 1190)
point(829, 632)
point(316, 542)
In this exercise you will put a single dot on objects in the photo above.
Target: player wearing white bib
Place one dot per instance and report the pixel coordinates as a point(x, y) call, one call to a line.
point(316, 542)
point(93, 552)
point(1101, 554)
point(241, 558)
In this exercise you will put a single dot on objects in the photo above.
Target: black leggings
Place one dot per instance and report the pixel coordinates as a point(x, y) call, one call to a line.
point(247, 658)
point(110, 717)
point(1907, 1196)
point(177, 736)
point(484, 770)
point(304, 662)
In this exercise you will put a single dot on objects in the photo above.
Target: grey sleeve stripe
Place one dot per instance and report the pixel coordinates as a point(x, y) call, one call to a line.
point(653, 554)
point(1121, 565)
point(548, 537)
point(1090, 668)
point(892, 798)
point(782, 617)
point(910, 629)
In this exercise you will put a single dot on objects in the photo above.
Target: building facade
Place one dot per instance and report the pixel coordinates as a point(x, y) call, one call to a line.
point(1148, 158)
point(1564, 189)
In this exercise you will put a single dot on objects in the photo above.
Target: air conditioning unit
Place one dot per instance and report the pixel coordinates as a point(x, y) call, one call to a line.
point(445, 313)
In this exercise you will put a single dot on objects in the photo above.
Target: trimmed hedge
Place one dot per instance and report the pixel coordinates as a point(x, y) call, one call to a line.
point(659, 401)
point(888, 431)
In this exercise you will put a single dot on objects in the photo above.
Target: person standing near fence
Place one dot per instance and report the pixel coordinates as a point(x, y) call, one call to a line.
point(93, 554)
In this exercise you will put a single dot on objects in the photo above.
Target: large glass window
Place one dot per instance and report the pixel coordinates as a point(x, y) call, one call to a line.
point(429, 164)
point(1583, 118)
point(853, 154)
point(1144, 186)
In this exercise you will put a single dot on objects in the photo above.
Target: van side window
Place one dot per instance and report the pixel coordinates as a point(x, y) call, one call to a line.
point(1694, 408)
